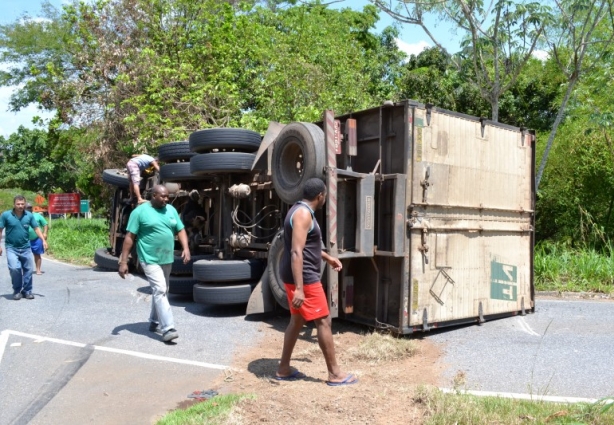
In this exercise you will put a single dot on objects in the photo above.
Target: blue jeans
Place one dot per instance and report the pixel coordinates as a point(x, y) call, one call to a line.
point(158, 277)
point(21, 266)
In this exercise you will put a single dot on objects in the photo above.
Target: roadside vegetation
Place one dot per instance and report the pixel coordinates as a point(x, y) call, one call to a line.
point(75, 240)
point(566, 269)
point(7, 195)
point(215, 411)
point(444, 409)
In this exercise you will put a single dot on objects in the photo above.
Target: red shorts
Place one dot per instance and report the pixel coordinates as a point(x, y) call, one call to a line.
point(315, 305)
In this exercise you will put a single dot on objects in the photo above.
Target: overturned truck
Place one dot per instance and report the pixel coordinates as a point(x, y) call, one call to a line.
point(431, 213)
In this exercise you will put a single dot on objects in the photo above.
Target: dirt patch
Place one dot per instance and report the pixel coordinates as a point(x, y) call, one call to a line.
point(383, 395)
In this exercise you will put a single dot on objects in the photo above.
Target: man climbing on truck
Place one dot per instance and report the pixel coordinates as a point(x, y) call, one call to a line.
point(136, 165)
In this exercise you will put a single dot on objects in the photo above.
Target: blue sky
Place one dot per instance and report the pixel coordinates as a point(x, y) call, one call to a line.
point(412, 40)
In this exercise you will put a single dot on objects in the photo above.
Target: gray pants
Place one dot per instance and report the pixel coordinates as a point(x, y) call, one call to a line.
point(158, 278)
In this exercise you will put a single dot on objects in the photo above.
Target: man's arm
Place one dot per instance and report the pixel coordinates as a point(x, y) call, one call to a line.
point(301, 223)
point(156, 165)
point(45, 231)
point(183, 239)
point(123, 258)
point(1, 229)
point(334, 262)
point(38, 232)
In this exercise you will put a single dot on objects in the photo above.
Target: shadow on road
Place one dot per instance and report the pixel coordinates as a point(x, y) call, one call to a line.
point(139, 328)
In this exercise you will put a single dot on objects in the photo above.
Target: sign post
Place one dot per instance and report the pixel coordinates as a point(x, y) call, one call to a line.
point(64, 203)
point(85, 208)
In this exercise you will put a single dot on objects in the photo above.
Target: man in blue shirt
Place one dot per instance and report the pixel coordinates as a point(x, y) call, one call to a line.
point(17, 223)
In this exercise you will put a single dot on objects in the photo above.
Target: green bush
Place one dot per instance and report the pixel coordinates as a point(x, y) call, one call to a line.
point(75, 240)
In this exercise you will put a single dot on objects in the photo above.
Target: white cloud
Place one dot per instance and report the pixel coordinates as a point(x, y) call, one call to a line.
point(10, 121)
point(542, 55)
point(412, 49)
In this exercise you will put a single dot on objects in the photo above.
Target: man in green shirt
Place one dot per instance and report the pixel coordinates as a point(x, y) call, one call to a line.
point(36, 243)
point(17, 223)
point(155, 225)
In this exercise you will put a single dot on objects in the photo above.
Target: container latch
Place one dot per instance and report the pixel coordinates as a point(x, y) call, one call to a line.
point(425, 184)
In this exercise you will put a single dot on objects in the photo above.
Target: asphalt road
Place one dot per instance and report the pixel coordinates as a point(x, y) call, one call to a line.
point(564, 349)
point(81, 351)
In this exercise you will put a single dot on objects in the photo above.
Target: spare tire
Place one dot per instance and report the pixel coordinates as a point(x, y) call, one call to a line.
point(105, 260)
point(210, 293)
point(227, 270)
point(115, 177)
point(181, 285)
point(175, 151)
point(222, 162)
point(177, 172)
point(276, 251)
point(179, 268)
point(225, 138)
point(298, 155)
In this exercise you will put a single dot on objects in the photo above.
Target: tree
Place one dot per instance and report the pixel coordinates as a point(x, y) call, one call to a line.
point(27, 162)
point(584, 30)
point(499, 37)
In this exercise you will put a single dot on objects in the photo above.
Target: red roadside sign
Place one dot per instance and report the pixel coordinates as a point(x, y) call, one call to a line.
point(62, 203)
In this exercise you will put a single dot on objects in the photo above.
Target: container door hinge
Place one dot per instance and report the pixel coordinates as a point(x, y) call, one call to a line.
point(425, 184)
point(483, 124)
point(425, 321)
point(429, 110)
point(424, 248)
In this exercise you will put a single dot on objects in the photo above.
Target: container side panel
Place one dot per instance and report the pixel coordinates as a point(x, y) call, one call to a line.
point(466, 268)
point(465, 168)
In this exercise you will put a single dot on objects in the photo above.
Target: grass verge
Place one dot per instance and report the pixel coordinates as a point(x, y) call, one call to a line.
point(445, 409)
point(211, 412)
point(7, 195)
point(561, 268)
point(75, 240)
point(377, 348)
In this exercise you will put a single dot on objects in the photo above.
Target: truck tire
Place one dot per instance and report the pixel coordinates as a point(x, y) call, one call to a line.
point(105, 260)
point(298, 155)
point(175, 151)
point(221, 162)
point(274, 261)
point(225, 138)
point(227, 270)
point(115, 177)
point(181, 285)
point(179, 268)
point(177, 172)
point(210, 293)
point(276, 283)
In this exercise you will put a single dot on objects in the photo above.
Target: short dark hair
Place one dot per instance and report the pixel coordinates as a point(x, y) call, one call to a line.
point(19, 198)
point(313, 187)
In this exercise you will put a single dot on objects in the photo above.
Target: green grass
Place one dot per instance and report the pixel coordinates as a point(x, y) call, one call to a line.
point(7, 195)
point(75, 240)
point(445, 409)
point(561, 268)
point(211, 412)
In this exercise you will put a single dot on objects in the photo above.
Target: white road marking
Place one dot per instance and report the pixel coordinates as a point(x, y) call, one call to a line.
point(532, 397)
point(5, 333)
point(525, 326)
point(63, 263)
point(4, 338)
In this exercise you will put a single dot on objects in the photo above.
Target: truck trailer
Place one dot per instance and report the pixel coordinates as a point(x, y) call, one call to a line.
point(430, 211)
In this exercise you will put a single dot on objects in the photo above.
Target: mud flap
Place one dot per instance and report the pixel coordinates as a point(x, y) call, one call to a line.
point(261, 300)
point(269, 138)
